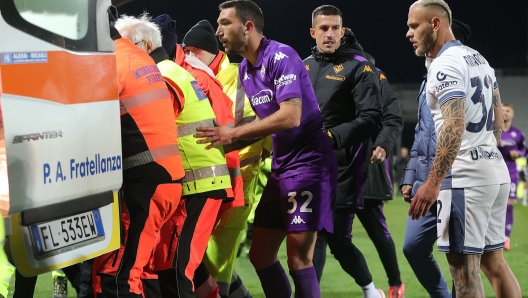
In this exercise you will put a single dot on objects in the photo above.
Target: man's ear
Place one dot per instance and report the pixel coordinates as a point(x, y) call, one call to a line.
point(148, 45)
point(250, 27)
point(436, 23)
point(312, 32)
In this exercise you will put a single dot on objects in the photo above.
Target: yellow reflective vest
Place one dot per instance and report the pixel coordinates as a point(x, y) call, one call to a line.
point(250, 156)
point(205, 170)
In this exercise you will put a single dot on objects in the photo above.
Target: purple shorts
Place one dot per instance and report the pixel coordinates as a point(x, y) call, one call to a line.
point(513, 188)
point(303, 202)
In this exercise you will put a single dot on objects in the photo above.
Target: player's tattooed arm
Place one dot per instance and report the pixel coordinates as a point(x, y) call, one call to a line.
point(293, 101)
point(499, 117)
point(449, 139)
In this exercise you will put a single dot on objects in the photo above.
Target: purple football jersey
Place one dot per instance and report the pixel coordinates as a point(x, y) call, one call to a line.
point(512, 139)
point(279, 74)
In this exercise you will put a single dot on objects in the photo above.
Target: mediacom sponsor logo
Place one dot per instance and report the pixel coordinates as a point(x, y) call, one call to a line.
point(262, 97)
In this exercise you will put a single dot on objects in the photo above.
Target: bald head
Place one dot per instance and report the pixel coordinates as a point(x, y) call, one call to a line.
point(434, 8)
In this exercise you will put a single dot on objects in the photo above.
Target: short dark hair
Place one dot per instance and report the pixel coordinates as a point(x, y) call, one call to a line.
point(508, 105)
point(246, 10)
point(326, 10)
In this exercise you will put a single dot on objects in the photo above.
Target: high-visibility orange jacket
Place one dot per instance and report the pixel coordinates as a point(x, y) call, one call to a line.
point(148, 132)
point(222, 107)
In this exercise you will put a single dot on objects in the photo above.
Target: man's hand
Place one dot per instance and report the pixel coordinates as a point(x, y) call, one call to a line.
point(217, 135)
point(514, 154)
point(378, 155)
point(424, 199)
point(406, 192)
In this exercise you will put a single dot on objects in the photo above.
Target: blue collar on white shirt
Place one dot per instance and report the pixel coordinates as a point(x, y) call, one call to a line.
point(447, 45)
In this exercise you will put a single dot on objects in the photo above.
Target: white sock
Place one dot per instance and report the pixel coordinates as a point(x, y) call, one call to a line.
point(370, 291)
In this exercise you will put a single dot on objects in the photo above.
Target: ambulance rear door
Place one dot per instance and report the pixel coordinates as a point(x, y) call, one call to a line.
point(60, 110)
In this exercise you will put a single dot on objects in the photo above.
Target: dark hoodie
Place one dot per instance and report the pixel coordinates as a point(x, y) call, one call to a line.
point(379, 179)
point(347, 88)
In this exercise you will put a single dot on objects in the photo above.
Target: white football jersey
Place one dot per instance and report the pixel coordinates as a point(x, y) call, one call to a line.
point(459, 71)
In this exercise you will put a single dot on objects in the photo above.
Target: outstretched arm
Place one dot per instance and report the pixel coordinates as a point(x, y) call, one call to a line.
point(288, 116)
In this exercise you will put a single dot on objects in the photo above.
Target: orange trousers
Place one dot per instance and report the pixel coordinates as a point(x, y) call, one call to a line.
point(181, 247)
point(145, 209)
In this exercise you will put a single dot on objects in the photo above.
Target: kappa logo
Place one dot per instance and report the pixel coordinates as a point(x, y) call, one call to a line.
point(297, 220)
point(307, 67)
point(367, 69)
point(279, 56)
point(246, 77)
point(338, 68)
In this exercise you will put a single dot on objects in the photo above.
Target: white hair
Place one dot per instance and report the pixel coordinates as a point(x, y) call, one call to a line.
point(441, 7)
point(139, 29)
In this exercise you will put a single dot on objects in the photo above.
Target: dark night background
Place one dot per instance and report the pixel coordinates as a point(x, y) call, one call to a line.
point(500, 28)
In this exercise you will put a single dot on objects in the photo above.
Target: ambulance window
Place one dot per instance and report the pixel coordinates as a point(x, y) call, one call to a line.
point(67, 18)
point(69, 24)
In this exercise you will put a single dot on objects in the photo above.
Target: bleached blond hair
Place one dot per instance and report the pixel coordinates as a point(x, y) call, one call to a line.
point(440, 6)
point(139, 29)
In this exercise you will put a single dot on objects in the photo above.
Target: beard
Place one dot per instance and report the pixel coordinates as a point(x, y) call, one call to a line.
point(236, 45)
point(428, 42)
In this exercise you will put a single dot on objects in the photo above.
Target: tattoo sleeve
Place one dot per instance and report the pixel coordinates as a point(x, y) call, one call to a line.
point(465, 270)
point(293, 101)
point(499, 118)
point(449, 139)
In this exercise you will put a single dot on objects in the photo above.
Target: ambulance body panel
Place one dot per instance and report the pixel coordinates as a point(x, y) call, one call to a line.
point(61, 129)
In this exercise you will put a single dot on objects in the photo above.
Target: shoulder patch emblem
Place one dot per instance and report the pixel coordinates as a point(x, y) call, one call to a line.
point(198, 90)
point(338, 68)
point(262, 71)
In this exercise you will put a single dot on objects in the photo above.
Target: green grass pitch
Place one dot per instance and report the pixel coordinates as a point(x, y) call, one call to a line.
point(336, 283)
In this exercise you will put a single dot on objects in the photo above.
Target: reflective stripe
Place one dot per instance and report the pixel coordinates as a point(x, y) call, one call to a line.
point(209, 286)
point(143, 98)
point(207, 172)
point(239, 104)
point(190, 129)
point(233, 173)
point(149, 156)
point(122, 109)
point(249, 161)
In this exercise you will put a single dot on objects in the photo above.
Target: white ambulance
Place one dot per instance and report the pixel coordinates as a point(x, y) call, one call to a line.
point(62, 164)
